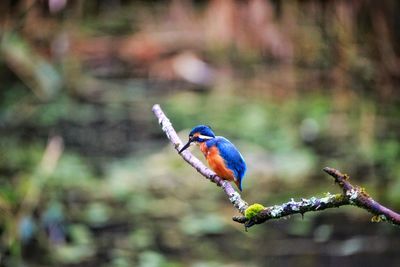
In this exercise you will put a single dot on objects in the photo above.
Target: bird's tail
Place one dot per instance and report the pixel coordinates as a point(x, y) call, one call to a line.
point(238, 184)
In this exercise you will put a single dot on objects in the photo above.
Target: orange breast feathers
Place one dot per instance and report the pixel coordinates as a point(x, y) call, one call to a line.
point(216, 162)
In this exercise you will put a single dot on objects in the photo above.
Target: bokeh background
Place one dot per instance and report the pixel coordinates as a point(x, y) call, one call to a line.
point(87, 177)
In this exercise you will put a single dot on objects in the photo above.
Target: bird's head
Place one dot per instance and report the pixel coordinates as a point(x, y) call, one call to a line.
point(198, 134)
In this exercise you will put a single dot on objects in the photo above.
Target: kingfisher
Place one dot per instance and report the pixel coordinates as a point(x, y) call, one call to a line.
point(222, 156)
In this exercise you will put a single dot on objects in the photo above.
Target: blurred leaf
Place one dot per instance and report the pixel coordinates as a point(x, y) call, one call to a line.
point(80, 234)
point(200, 225)
point(97, 213)
point(151, 259)
point(35, 71)
point(17, 156)
point(120, 262)
point(81, 176)
point(142, 238)
point(296, 164)
point(69, 254)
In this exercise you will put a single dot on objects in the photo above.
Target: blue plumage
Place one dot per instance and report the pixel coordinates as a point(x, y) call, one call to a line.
point(223, 157)
point(231, 155)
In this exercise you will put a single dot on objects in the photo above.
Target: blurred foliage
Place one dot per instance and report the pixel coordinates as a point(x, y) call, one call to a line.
point(87, 178)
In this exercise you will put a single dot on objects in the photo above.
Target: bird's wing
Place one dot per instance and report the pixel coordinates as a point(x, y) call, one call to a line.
point(232, 156)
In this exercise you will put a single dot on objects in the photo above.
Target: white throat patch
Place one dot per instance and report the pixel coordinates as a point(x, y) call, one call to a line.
point(205, 137)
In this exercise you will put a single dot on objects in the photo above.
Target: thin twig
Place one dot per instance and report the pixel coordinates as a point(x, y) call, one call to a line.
point(352, 195)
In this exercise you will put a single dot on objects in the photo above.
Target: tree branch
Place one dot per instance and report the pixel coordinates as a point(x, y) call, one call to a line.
point(256, 213)
point(294, 207)
point(359, 197)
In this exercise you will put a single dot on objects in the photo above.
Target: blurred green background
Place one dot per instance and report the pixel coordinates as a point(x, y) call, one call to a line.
point(87, 177)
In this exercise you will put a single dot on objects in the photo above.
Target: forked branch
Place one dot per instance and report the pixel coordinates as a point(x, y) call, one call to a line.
point(256, 214)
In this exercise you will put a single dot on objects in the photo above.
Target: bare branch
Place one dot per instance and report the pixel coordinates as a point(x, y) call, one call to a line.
point(359, 197)
point(256, 213)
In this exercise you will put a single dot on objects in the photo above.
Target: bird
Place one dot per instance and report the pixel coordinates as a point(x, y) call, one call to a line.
point(222, 156)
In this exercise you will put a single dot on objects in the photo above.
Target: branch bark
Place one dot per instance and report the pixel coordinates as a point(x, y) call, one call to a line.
point(358, 196)
point(351, 195)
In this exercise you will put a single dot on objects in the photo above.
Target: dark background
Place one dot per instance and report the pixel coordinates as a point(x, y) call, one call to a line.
point(87, 177)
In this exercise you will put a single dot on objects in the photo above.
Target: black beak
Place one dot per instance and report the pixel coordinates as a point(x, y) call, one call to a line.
point(185, 146)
